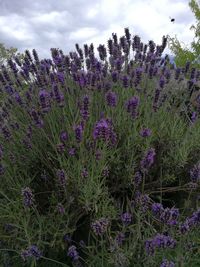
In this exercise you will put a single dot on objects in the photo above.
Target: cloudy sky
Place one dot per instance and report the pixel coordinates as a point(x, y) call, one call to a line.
point(42, 24)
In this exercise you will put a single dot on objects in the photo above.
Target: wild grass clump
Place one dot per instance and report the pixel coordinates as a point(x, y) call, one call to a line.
point(99, 158)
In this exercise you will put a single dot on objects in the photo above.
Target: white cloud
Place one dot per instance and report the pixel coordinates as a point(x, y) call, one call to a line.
point(46, 24)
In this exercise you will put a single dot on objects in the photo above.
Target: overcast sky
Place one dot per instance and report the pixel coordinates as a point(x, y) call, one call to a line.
point(28, 24)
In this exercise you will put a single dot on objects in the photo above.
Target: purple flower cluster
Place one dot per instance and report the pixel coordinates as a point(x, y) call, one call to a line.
point(44, 98)
point(119, 239)
point(61, 177)
point(73, 253)
point(84, 108)
point(28, 197)
point(31, 251)
point(126, 218)
point(159, 241)
point(104, 130)
point(132, 106)
point(195, 173)
point(145, 132)
point(148, 160)
point(78, 129)
point(166, 263)
point(111, 99)
point(168, 216)
point(190, 222)
point(100, 226)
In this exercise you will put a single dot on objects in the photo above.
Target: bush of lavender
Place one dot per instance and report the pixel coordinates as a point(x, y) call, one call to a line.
point(99, 158)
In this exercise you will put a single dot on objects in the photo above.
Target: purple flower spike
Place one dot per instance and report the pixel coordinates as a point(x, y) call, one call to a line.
point(111, 99)
point(145, 132)
point(28, 197)
point(166, 263)
point(148, 160)
point(63, 136)
point(132, 105)
point(78, 133)
point(100, 226)
point(61, 177)
point(126, 218)
point(72, 253)
point(195, 173)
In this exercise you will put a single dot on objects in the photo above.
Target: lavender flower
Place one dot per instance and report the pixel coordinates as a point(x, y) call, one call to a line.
point(100, 226)
point(145, 132)
point(63, 136)
point(168, 216)
point(84, 173)
point(148, 160)
point(132, 105)
point(72, 253)
point(111, 99)
point(120, 237)
point(104, 130)
point(61, 177)
point(126, 218)
point(44, 98)
point(166, 263)
point(159, 241)
point(28, 198)
point(85, 107)
point(137, 178)
point(78, 133)
point(31, 251)
point(195, 173)
point(194, 117)
point(72, 151)
point(60, 147)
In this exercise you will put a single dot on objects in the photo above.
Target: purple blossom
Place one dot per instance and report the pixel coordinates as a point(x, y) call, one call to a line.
point(115, 76)
point(31, 251)
point(195, 173)
point(190, 222)
point(137, 178)
point(72, 253)
point(159, 241)
point(84, 173)
point(125, 81)
point(126, 218)
point(72, 151)
point(60, 147)
point(145, 132)
point(132, 105)
point(85, 107)
point(78, 133)
point(61, 177)
point(194, 117)
point(111, 99)
point(44, 98)
point(148, 160)
point(166, 263)
point(104, 130)
point(100, 226)
point(120, 237)
point(63, 136)
point(28, 198)
point(168, 216)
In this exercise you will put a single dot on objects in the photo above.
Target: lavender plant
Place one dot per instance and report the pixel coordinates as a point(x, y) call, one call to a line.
point(99, 158)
